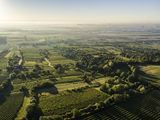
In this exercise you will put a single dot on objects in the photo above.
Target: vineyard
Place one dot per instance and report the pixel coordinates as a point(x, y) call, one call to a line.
point(146, 107)
point(80, 72)
point(10, 107)
point(67, 101)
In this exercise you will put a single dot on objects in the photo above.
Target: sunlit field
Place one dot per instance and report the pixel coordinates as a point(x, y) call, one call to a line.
point(80, 72)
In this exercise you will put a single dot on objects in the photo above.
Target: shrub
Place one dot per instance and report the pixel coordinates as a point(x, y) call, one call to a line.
point(118, 88)
point(120, 97)
point(122, 74)
point(108, 101)
point(90, 108)
point(31, 110)
point(110, 81)
point(103, 88)
point(75, 113)
point(141, 89)
point(54, 117)
point(99, 105)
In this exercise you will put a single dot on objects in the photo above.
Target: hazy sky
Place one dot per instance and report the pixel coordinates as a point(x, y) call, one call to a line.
point(81, 11)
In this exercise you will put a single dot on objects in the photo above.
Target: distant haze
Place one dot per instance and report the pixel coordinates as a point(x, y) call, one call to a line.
point(80, 11)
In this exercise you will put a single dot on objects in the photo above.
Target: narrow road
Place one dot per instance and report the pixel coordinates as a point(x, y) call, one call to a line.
point(49, 63)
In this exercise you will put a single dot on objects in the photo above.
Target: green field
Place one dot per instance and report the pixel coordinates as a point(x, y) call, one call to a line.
point(22, 112)
point(56, 58)
point(10, 107)
point(146, 107)
point(62, 67)
point(3, 65)
point(153, 70)
point(69, 79)
point(31, 54)
point(61, 103)
point(151, 73)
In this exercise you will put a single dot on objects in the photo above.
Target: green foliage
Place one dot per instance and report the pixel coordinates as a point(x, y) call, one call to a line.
point(120, 97)
point(118, 88)
point(43, 86)
point(110, 81)
point(59, 68)
point(5, 85)
point(75, 113)
point(119, 85)
point(44, 53)
point(66, 102)
point(134, 108)
point(54, 117)
point(142, 55)
point(87, 77)
point(141, 89)
point(70, 56)
point(103, 88)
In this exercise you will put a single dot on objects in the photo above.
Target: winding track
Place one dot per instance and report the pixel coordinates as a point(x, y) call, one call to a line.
point(49, 63)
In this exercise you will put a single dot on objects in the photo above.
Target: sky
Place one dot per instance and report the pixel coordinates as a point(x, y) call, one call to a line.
point(80, 11)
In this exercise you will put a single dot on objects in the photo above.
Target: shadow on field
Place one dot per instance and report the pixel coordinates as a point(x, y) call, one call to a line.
point(5, 93)
point(51, 90)
point(150, 78)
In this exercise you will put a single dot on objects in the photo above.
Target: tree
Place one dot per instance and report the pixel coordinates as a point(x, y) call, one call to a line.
point(12, 76)
point(118, 71)
point(59, 69)
point(31, 111)
point(85, 77)
point(37, 68)
point(122, 74)
point(103, 88)
point(118, 88)
point(110, 81)
point(141, 89)
point(131, 78)
point(120, 97)
point(22, 76)
point(24, 90)
point(75, 113)
point(53, 117)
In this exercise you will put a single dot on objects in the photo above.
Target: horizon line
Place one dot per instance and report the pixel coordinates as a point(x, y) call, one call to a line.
point(71, 22)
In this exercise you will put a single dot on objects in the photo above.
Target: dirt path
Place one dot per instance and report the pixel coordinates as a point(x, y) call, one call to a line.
point(49, 63)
